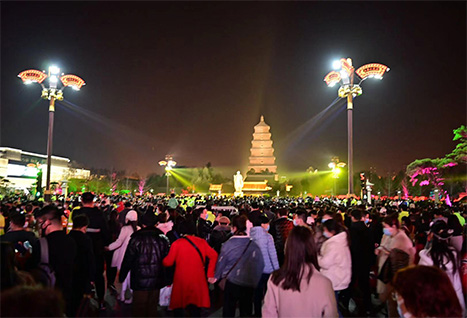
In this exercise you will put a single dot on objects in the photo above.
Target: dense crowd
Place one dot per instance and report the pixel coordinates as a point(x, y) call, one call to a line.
point(279, 257)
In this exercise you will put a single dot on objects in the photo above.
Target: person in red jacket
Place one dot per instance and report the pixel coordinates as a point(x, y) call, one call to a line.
point(190, 289)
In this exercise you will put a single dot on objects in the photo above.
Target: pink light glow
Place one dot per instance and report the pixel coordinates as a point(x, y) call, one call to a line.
point(141, 185)
point(451, 164)
point(424, 182)
point(448, 200)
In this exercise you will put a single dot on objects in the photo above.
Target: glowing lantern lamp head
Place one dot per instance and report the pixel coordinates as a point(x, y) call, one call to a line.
point(332, 78)
point(32, 76)
point(72, 81)
point(372, 70)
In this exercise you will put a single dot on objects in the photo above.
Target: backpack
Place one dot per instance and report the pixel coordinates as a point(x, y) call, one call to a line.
point(44, 265)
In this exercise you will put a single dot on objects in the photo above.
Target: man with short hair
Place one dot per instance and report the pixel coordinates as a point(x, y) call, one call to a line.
point(99, 234)
point(17, 233)
point(62, 251)
point(84, 265)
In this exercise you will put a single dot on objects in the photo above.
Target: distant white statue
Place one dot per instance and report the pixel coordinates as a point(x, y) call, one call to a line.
point(238, 183)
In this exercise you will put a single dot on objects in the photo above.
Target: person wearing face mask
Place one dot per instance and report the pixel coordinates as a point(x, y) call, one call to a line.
point(300, 217)
point(334, 258)
point(259, 234)
point(394, 238)
point(62, 251)
point(425, 291)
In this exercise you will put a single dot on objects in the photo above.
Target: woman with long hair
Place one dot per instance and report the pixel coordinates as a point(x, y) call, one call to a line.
point(120, 245)
point(299, 282)
point(443, 256)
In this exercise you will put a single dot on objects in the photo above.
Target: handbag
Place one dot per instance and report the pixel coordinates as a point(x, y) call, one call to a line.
point(223, 280)
point(164, 296)
point(385, 274)
point(89, 307)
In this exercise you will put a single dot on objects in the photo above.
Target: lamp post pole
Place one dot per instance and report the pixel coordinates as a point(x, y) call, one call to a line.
point(167, 173)
point(350, 136)
point(47, 192)
point(348, 89)
point(52, 93)
point(168, 163)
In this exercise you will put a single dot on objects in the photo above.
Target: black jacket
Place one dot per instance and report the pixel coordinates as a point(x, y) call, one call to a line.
point(98, 230)
point(280, 229)
point(84, 267)
point(361, 248)
point(143, 257)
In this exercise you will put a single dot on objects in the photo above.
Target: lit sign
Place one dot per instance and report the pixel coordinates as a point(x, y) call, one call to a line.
point(21, 171)
point(31, 76)
point(72, 81)
point(375, 70)
point(347, 65)
point(332, 78)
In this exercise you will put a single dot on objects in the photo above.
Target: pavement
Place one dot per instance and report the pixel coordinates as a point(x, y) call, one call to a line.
point(117, 308)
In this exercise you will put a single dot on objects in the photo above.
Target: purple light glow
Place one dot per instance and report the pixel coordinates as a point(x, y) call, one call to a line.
point(424, 182)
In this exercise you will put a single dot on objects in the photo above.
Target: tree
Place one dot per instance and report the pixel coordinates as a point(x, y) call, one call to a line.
point(433, 171)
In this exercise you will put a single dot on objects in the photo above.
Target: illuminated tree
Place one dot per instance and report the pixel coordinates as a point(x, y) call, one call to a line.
point(432, 171)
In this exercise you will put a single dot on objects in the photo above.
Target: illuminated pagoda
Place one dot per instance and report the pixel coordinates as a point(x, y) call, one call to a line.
point(262, 158)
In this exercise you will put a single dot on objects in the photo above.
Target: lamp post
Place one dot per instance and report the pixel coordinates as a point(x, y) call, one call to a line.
point(168, 163)
point(335, 166)
point(52, 93)
point(349, 90)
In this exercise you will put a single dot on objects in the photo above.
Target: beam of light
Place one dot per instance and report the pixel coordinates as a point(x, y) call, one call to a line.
point(315, 125)
point(184, 181)
point(120, 133)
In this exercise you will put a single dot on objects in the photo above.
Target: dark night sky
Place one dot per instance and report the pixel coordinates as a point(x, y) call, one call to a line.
point(192, 79)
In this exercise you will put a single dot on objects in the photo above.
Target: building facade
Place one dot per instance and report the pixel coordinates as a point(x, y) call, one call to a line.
point(20, 168)
point(262, 153)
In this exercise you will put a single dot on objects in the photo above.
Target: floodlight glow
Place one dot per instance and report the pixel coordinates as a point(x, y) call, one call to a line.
point(336, 64)
point(53, 79)
point(54, 70)
point(76, 88)
point(332, 165)
point(27, 82)
point(337, 171)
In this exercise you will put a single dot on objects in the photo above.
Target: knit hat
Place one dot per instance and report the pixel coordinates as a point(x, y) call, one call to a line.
point(132, 216)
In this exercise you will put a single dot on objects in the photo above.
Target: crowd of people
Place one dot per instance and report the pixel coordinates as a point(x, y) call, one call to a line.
point(261, 257)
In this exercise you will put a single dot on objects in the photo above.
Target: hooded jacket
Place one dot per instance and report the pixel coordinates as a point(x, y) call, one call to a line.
point(143, 257)
point(335, 261)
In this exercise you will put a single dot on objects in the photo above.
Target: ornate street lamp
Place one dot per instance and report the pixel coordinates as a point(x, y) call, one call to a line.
point(335, 166)
point(52, 93)
point(168, 163)
point(345, 76)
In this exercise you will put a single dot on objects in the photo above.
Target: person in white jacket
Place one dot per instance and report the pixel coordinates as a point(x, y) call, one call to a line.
point(120, 246)
point(334, 258)
point(443, 256)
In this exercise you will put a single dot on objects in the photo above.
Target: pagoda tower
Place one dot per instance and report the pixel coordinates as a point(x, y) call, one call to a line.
point(262, 152)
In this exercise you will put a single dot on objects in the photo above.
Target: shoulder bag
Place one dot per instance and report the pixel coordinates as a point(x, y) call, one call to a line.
point(223, 280)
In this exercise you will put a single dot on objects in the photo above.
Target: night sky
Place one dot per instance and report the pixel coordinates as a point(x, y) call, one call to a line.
point(192, 79)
